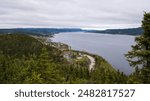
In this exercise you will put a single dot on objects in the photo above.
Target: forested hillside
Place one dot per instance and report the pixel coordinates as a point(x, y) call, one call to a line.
point(128, 31)
point(24, 59)
point(50, 31)
point(39, 31)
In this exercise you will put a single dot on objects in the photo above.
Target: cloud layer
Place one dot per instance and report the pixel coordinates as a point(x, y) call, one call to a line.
point(72, 13)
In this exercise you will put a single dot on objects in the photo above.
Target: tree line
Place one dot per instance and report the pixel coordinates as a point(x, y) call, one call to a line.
point(25, 60)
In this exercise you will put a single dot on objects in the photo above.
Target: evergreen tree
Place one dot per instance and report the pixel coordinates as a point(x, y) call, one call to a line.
point(139, 56)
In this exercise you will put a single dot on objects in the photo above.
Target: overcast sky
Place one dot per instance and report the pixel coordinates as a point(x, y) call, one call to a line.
point(99, 14)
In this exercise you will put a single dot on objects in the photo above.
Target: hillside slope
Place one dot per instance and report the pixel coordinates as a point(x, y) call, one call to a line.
point(128, 31)
point(24, 59)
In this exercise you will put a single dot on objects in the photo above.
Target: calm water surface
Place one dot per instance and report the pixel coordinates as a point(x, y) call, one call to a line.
point(111, 47)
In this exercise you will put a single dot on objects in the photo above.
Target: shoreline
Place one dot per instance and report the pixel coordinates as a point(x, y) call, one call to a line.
point(110, 47)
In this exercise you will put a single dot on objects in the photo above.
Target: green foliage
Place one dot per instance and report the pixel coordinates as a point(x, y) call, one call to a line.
point(104, 73)
point(139, 56)
point(17, 45)
point(25, 60)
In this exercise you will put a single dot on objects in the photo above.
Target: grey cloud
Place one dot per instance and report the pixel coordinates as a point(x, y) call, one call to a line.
point(72, 13)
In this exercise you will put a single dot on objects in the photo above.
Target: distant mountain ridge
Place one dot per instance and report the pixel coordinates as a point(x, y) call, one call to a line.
point(128, 31)
point(41, 31)
point(49, 31)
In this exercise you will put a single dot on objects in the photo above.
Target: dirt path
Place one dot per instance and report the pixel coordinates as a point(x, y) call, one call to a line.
point(92, 64)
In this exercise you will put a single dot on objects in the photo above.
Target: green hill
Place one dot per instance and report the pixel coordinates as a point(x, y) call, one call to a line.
point(24, 59)
point(18, 45)
point(128, 31)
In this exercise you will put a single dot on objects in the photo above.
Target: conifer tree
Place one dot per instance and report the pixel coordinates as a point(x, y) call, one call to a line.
point(139, 56)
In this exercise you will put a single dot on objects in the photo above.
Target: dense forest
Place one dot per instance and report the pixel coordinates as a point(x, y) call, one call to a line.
point(24, 59)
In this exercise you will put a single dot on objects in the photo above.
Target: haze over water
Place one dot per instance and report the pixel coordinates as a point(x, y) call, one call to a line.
point(110, 47)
